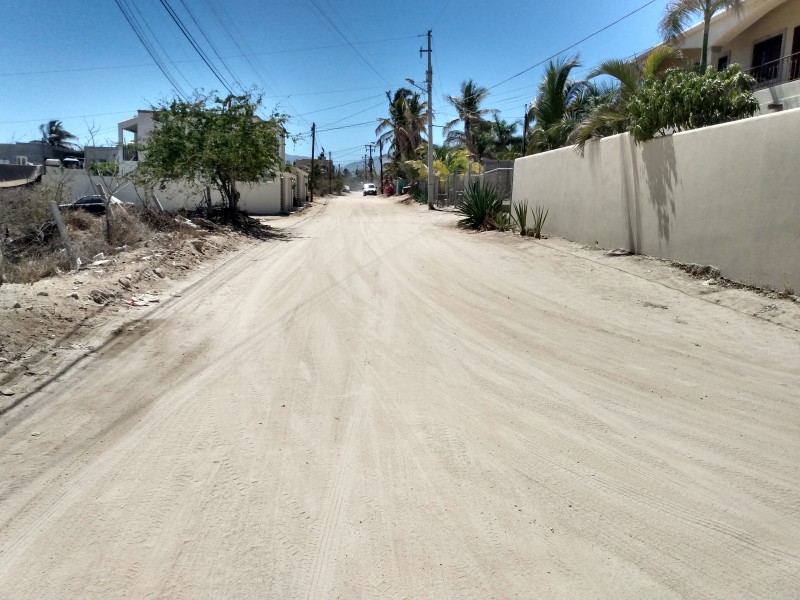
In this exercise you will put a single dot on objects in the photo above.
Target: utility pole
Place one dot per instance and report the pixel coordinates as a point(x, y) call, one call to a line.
point(313, 142)
point(330, 170)
point(380, 159)
point(431, 184)
point(365, 166)
point(525, 130)
point(369, 147)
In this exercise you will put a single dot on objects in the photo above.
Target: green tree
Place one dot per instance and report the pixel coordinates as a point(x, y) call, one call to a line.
point(505, 144)
point(680, 14)
point(559, 106)
point(402, 131)
point(54, 134)
point(607, 113)
point(470, 114)
point(446, 161)
point(217, 142)
point(688, 100)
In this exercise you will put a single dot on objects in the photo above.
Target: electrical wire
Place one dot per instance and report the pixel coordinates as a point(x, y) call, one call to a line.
point(151, 51)
point(339, 105)
point(190, 38)
point(578, 43)
point(347, 40)
point(211, 45)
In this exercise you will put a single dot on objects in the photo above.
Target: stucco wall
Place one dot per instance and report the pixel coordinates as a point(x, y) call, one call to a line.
point(727, 196)
point(258, 199)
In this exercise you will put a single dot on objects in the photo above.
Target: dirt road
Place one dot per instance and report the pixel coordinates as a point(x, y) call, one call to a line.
point(387, 407)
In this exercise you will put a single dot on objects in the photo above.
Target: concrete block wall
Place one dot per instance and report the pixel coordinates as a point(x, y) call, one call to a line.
point(727, 196)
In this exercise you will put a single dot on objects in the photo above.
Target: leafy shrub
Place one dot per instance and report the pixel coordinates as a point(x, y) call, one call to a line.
point(480, 206)
point(105, 168)
point(682, 100)
point(419, 193)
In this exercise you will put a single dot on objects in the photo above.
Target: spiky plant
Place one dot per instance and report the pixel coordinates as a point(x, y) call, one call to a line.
point(479, 206)
point(520, 211)
point(539, 217)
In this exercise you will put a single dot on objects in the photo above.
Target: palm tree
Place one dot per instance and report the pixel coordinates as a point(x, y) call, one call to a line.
point(505, 142)
point(54, 134)
point(402, 131)
point(446, 161)
point(470, 113)
point(608, 110)
point(559, 106)
point(680, 14)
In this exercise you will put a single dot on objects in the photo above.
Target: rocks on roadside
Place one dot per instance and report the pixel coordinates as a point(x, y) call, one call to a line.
point(101, 297)
point(7, 392)
point(43, 293)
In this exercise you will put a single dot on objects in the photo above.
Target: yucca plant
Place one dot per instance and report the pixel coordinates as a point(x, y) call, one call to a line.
point(480, 205)
point(539, 217)
point(521, 217)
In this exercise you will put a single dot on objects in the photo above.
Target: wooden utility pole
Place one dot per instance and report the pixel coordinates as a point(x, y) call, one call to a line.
point(525, 130)
point(380, 159)
point(330, 170)
point(369, 147)
point(313, 149)
point(429, 74)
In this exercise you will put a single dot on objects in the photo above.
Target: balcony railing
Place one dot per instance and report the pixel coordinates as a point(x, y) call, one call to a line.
point(130, 153)
point(776, 71)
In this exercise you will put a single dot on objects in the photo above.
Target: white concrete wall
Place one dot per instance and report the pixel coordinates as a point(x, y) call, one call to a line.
point(257, 199)
point(727, 196)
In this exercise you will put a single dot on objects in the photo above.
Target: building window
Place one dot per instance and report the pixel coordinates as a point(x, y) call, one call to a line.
point(723, 62)
point(766, 59)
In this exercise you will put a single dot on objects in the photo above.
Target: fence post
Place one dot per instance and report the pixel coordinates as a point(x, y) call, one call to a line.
point(62, 229)
point(109, 215)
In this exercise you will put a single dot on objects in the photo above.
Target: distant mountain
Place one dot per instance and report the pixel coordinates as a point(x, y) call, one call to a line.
point(293, 157)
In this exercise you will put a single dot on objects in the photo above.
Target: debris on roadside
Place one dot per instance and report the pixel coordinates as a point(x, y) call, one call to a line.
point(144, 300)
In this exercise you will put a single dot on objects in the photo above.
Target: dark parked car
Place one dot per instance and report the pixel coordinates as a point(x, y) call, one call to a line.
point(92, 204)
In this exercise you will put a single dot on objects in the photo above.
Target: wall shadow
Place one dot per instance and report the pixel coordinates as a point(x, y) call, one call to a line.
point(629, 184)
point(658, 156)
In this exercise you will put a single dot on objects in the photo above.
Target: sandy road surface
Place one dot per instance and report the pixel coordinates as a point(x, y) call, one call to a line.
point(386, 407)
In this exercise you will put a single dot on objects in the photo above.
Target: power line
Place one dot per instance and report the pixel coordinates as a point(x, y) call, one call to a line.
point(347, 40)
point(351, 126)
point(578, 43)
point(211, 45)
point(339, 105)
point(222, 19)
point(353, 115)
point(132, 22)
point(441, 12)
point(190, 38)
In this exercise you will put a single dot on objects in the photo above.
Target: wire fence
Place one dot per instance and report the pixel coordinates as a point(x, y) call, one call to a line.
point(498, 174)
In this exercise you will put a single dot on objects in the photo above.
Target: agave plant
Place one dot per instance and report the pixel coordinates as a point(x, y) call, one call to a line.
point(520, 211)
point(480, 206)
point(539, 217)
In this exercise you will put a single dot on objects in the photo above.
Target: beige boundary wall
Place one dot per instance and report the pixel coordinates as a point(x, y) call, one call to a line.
point(268, 198)
point(727, 196)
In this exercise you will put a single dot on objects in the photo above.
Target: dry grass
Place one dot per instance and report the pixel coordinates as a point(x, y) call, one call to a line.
point(34, 249)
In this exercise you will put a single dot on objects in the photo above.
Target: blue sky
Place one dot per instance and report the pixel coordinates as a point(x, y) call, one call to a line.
point(319, 61)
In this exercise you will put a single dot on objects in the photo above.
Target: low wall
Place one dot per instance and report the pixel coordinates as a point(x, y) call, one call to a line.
point(258, 199)
point(727, 196)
